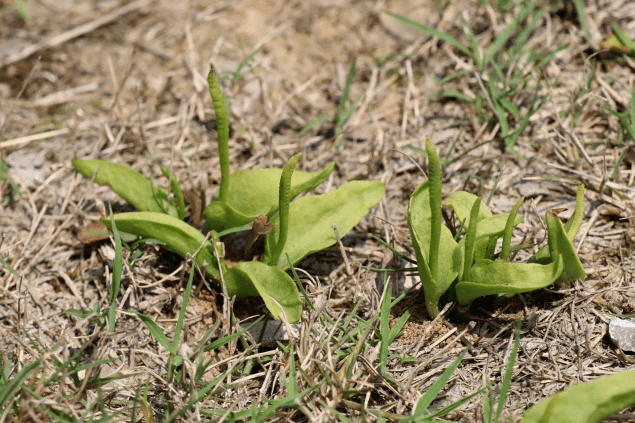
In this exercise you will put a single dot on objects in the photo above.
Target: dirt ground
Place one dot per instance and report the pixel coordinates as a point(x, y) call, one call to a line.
point(126, 81)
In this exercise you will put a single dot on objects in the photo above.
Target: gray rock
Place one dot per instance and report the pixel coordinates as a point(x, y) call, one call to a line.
point(622, 333)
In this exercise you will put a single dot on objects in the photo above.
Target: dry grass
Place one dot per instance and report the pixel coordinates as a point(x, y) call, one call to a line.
point(127, 83)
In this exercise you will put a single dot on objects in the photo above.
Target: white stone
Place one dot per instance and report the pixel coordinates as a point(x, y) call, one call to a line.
point(622, 333)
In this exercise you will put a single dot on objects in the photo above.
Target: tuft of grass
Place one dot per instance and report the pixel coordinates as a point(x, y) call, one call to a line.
point(492, 410)
point(343, 113)
point(506, 74)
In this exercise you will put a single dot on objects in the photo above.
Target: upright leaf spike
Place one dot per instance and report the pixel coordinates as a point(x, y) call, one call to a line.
point(509, 227)
point(434, 176)
point(283, 207)
point(222, 126)
point(470, 239)
point(573, 224)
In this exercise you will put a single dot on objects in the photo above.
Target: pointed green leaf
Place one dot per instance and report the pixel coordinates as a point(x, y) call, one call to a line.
point(127, 183)
point(571, 227)
point(311, 219)
point(254, 192)
point(489, 277)
point(276, 288)
point(419, 222)
point(559, 241)
point(155, 330)
point(421, 409)
point(588, 402)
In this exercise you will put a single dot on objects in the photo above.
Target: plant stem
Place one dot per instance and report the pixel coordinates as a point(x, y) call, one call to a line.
point(434, 176)
point(222, 127)
point(283, 207)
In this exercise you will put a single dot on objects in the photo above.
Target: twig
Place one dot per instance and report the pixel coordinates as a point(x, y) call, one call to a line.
point(35, 137)
point(73, 33)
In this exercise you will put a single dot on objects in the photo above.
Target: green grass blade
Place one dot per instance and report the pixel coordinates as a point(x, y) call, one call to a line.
point(579, 8)
point(347, 89)
point(237, 74)
point(432, 392)
point(401, 255)
point(10, 390)
point(316, 122)
point(507, 379)
point(8, 267)
point(507, 33)
point(155, 330)
point(434, 32)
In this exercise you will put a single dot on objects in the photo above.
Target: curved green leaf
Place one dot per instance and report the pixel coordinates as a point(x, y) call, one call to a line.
point(276, 288)
point(588, 402)
point(178, 236)
point(450, 258)
point(509, 226)
point(470, 239)
point(571, 227)
point(127, 183)
point(559, 244)
point(489, 277)
point(311, 219)
point(254, 192)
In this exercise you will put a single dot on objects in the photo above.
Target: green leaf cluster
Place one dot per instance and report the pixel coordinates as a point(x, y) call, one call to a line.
point(471, 267)
point(298, 228)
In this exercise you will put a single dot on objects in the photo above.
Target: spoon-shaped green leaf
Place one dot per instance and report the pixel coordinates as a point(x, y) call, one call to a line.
point(276, 288)
point(178, 236)
point(311, 219)
point(489, 277)
point(129, 184)
point(254, 192)
point(588, 402)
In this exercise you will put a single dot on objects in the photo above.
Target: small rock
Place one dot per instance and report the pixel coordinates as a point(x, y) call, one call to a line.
point(274, 331)
point(622, 333)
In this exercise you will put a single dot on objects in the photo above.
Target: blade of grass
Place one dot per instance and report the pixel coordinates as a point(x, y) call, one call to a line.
point(434, 32)
point(507, 379)
point(424, 402)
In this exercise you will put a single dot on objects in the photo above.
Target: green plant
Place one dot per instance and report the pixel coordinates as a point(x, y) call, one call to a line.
point(471, 267)
point(491, 415)
point(508, 77)
point(6, 178)
point(262, 197)
point(588, 402)
point(343, 114)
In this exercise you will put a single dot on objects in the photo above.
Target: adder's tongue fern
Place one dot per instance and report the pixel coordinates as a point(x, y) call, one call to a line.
point(283, 207)
point(222, 126)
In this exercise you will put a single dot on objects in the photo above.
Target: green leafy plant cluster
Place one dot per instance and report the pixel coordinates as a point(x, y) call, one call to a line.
point(471, 267)
point(258, 199)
